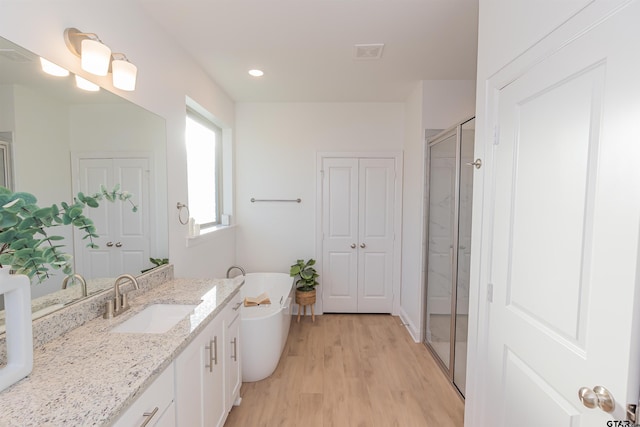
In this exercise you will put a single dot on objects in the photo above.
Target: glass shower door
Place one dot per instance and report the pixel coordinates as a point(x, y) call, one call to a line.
point(467, 135)
point(441, 207)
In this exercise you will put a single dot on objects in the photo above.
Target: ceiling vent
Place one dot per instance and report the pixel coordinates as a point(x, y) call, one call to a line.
point(13, 55)
point(368, 51)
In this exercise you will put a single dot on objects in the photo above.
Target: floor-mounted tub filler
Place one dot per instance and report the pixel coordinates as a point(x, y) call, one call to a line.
point(264, 328)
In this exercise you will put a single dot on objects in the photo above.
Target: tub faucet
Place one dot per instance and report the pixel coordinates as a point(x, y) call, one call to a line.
point(236, 267)
point(119, 303)
point(73, 278)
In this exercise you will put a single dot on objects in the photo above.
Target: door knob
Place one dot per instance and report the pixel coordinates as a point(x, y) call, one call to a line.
point(118, 245)
point(598, 397)
point(109, 244)
point(477, 163)
point(362, 245)
point(353, 246)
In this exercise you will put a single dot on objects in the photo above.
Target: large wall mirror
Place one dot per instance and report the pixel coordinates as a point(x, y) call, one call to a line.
point(56, 140)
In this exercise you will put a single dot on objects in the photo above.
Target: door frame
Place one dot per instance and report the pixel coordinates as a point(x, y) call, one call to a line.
point(76, 156)
point(486, 134)
point(397, 212)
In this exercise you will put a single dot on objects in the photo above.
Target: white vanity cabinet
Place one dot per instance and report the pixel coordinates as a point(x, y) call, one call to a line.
point(208, 376)
point(155, 407)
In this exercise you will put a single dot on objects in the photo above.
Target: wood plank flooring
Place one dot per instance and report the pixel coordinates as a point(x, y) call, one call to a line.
point(351, 370)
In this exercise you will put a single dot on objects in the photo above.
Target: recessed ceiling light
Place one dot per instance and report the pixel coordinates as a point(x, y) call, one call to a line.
point(256, 73)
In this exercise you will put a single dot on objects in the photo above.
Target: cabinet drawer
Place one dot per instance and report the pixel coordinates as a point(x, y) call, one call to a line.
point(153, 402)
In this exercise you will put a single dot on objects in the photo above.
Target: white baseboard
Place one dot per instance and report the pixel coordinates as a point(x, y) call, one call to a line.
point(411, 327)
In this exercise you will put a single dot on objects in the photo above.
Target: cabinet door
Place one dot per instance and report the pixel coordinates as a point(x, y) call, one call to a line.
point(190, 383)
point(232, 341)
point(214, 386)
point(200, 384)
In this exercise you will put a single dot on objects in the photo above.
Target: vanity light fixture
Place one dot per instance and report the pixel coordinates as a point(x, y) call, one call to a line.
point(97, 58)
point(94, 55)
point(85, 84)
point(256, 73)
point(124, 72)
point(53, 69)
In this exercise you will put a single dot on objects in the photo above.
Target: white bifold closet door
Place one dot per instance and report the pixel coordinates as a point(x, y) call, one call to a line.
point(123, 234)
point(358, 197)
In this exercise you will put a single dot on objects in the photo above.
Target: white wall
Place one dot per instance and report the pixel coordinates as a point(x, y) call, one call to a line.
point(166, 75)
point(434, 104)
point(276, 146)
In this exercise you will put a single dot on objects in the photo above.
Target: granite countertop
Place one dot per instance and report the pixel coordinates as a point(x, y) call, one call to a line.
point(89, 376)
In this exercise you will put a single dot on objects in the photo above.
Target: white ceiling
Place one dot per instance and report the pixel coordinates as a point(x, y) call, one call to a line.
point(306, 47)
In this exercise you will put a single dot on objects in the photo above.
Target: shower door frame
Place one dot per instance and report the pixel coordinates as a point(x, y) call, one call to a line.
point(429, 143)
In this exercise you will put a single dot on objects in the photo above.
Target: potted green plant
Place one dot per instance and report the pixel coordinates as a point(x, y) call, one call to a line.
point(305, 278)
point(25, 241)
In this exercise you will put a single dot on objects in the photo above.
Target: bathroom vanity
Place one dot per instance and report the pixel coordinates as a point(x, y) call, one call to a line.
point(93, 375)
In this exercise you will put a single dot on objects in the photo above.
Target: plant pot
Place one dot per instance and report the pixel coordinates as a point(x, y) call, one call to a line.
point(16, 289)
point(305, 297)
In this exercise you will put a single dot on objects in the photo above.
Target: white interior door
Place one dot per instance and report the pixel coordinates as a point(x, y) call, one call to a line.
point(340, 230)
point(124, 234)
point(375, 230)
point(565, 216)
point(358, 235)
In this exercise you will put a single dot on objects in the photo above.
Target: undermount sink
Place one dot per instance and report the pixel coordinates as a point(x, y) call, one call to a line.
point(155, 319)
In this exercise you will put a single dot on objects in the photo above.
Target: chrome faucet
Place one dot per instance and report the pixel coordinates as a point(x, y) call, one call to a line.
point(119, 303)
point(73, 278)
point(236, 267)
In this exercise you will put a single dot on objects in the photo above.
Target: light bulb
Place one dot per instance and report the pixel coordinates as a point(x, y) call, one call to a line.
point(124, 74)
point(53, 69)
point(95, 57)
point(85, 84)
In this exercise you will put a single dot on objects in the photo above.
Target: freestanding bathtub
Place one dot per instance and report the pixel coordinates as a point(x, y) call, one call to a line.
point(264, 329)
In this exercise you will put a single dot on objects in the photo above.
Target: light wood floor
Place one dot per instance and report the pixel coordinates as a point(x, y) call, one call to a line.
point(351, 370)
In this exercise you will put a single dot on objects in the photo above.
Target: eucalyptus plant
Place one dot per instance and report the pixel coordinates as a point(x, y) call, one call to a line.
point(26, 243)
point(305, 275)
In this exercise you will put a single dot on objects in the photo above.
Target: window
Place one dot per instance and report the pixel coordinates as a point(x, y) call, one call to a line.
point(204, 167)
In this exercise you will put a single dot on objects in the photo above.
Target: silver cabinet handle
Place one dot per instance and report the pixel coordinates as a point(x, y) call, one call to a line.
point(148, 416)
point(215, 350)
point(237, 306)
point(213, 353)
point(234, 356)
point(598, 397)
point(118, 245)
point(109, 244)
point(362, 245)
point(353, 246)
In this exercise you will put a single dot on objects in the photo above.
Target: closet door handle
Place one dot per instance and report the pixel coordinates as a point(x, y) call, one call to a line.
point(362, 245)
point(109, 244)
point(353, 246)
point(118, 245)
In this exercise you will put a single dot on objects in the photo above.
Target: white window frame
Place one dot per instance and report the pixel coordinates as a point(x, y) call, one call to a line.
point(194, 115)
